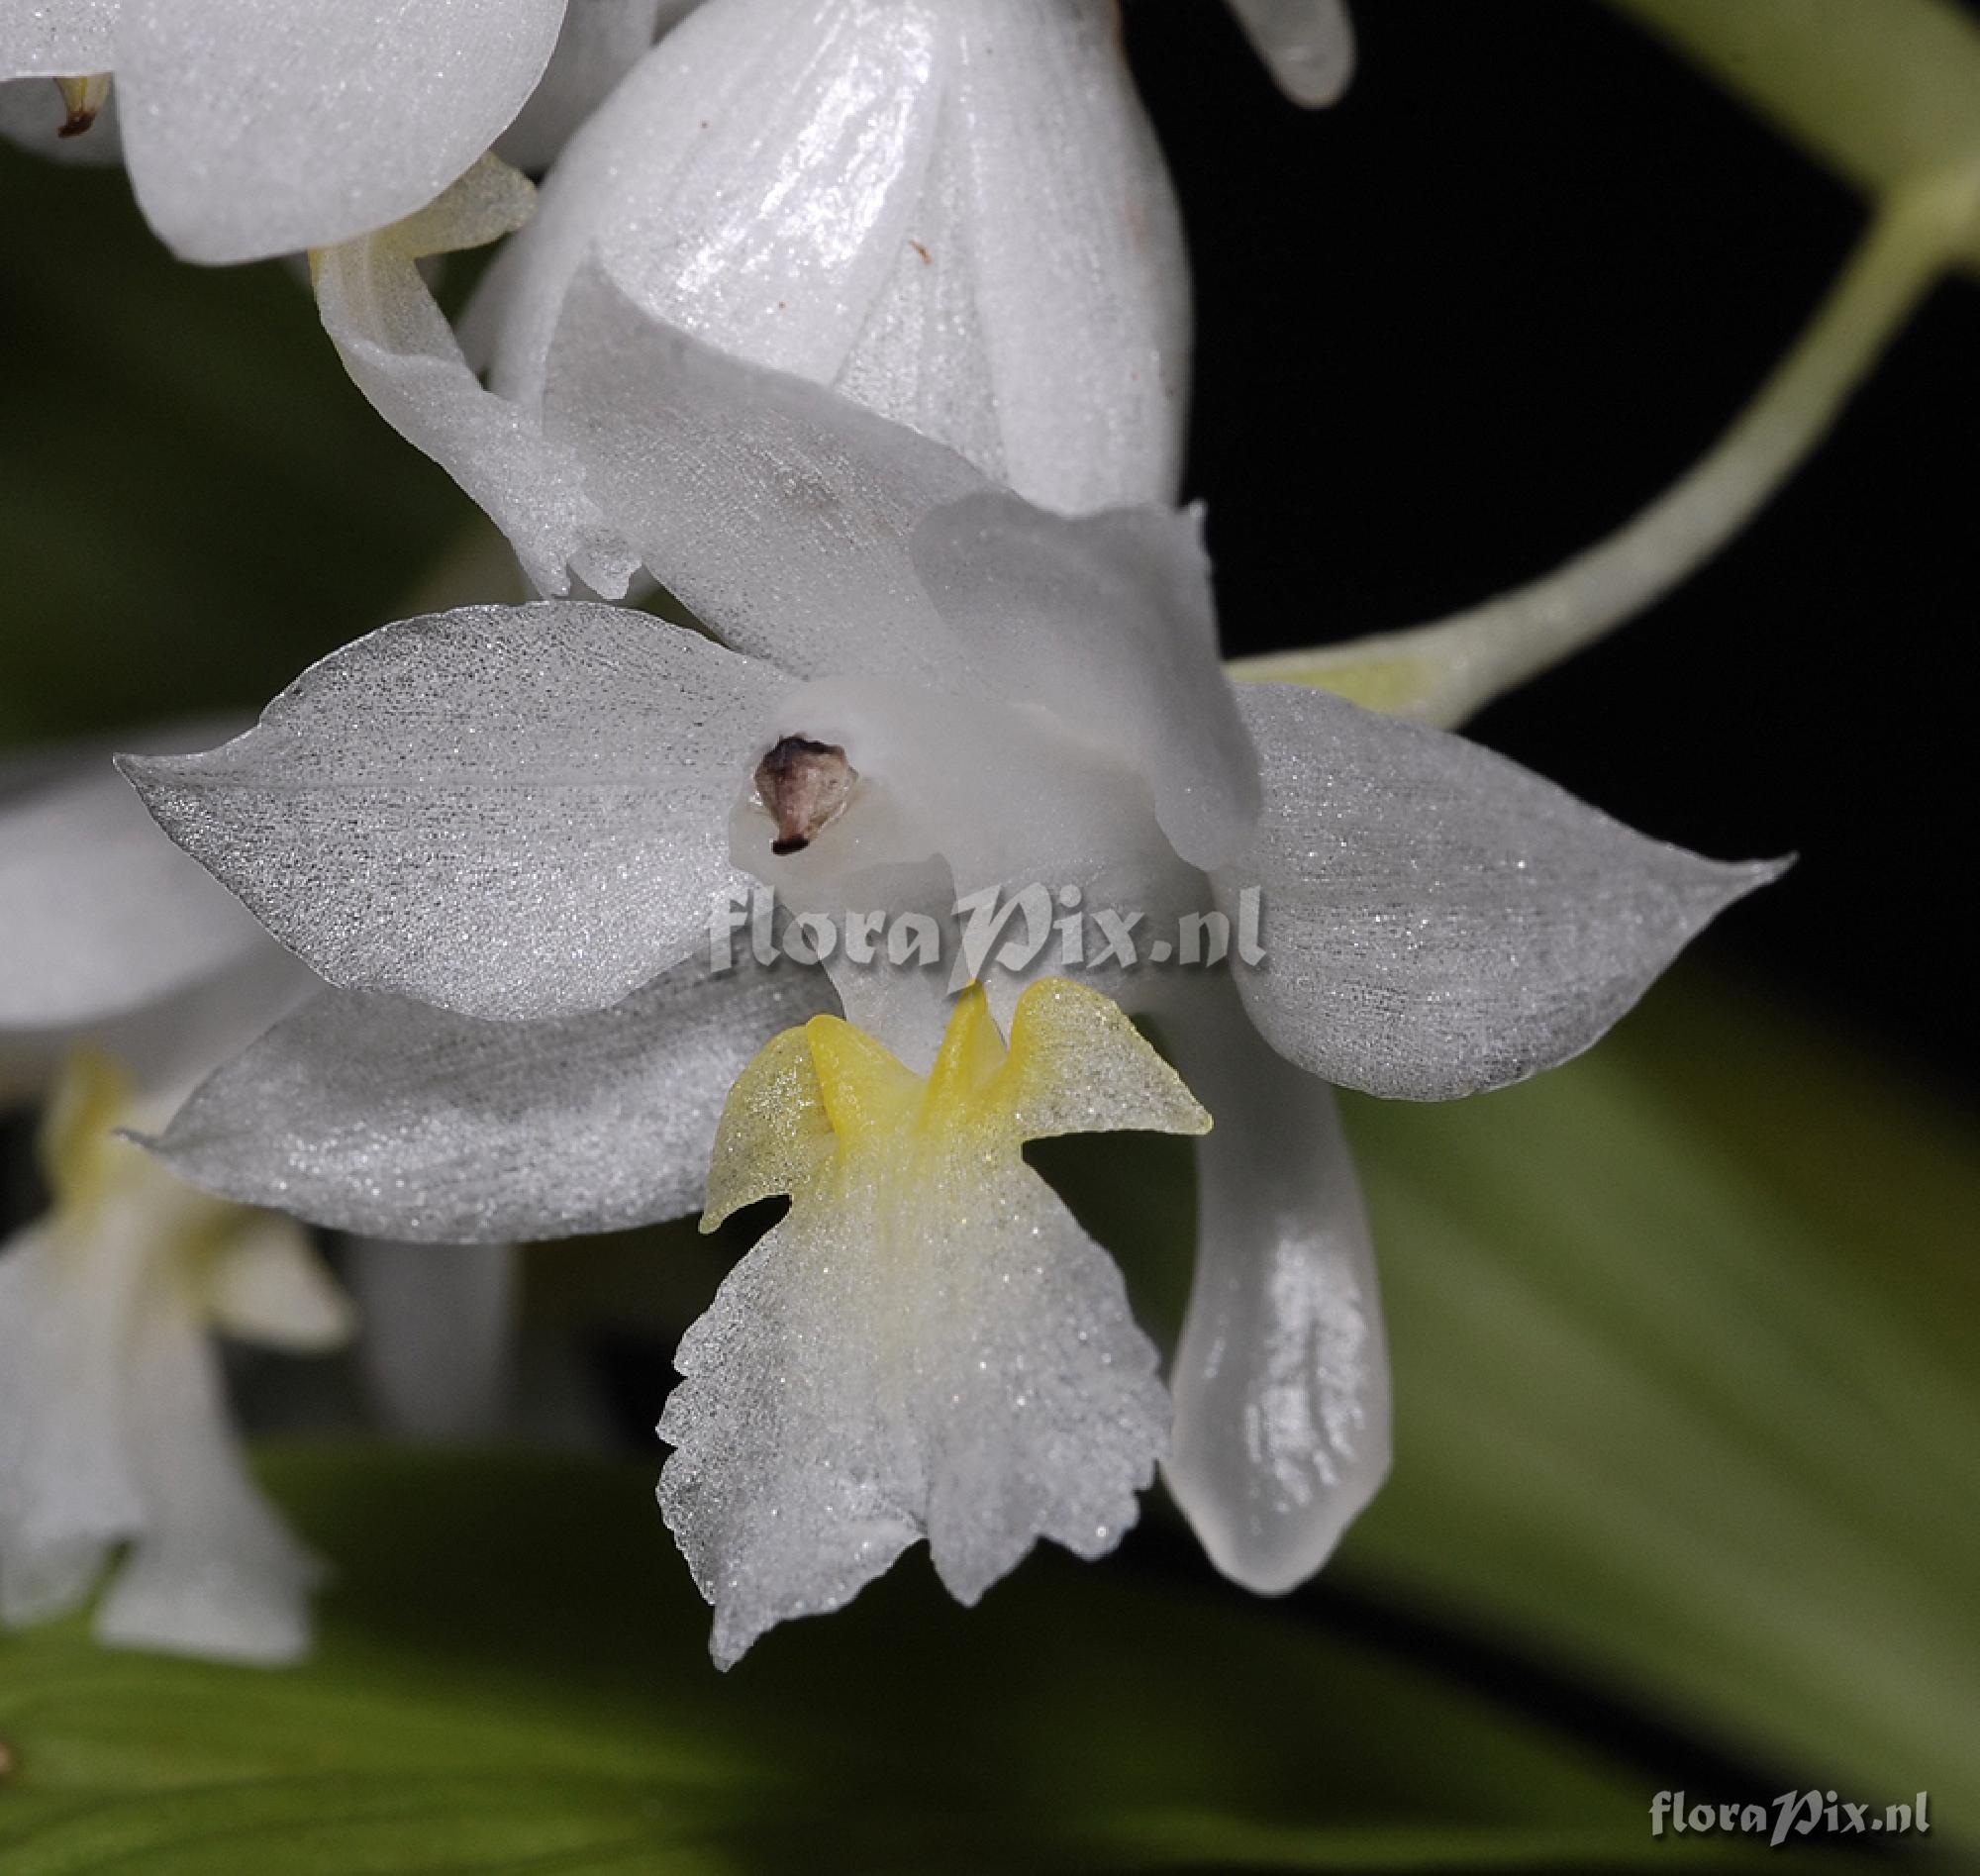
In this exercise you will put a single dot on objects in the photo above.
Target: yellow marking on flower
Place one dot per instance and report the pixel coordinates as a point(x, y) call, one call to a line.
point(827, 1106)
point(78, 1136)
point(246, 1271)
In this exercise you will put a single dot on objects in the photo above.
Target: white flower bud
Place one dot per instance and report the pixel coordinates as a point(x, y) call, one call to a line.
point(953, 211)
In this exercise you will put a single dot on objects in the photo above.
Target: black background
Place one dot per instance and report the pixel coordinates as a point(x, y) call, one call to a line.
point(1469, 321)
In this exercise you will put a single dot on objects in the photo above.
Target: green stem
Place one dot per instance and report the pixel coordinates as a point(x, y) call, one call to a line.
point(1442, 672)
point(1883, 91)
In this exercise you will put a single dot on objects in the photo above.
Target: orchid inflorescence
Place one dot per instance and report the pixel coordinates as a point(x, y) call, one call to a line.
point(856, 331)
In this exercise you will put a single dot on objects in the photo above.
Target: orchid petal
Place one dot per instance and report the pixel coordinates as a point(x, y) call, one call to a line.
point(102, 915)
point(439, 1326)
point(67, 1490)
point(1306, 44)
point(1107, 622)
point(954, 212)
point(1281, 1381)
point(168, 1047)
point(507, 811)
point(394, 1120)
point(1439, 921)
point(927, 1344)
point(707, 177)
point(57, 39)
point(255, 129)
point(213, 1571)
point(1068, 253)
point(266, 1284)
point(601, 42)
point(402, 353)
point(776, 511)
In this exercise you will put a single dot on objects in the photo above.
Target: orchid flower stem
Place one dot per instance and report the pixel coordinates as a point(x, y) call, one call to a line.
point(1442, 672)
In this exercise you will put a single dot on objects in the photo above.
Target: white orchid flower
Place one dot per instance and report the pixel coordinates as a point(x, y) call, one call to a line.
point(264, 127)
point(114, 1426)
point(126, 975)
point(925, 687)
point(113, 1423)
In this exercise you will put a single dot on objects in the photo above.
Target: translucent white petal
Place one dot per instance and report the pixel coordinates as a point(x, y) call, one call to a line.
point(927, 1344)
point(102, 915)
point(1307, 45)
point(262, 127)
point(213, 1571)
point(953, 210)
point(765, 150)
point(507, 811)
point(384, 1117)
point(402, 353)
point(265, 1283)
point(67, 1490)
point(34, 114)
point(57, 39)
point(1438, 920)
point(1281, 1381)
point(440, 1327)
point(778, 513)
point(1063, 239)
point(1108, 623)
point(601, 42)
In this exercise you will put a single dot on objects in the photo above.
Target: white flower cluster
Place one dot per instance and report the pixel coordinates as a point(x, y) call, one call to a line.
point(860, 327)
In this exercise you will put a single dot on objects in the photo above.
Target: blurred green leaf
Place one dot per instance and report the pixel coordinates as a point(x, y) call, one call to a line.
point(1687, 1347)
point(513, 1675)
point(194, 499)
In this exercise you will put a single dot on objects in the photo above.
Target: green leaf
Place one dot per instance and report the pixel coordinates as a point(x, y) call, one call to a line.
point(513, 1675)
point(1687, 1350)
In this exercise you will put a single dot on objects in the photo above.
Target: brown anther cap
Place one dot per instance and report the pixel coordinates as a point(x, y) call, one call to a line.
point(804, 786)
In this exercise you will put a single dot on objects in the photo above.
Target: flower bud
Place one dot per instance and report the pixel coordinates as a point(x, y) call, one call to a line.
point(953, 211)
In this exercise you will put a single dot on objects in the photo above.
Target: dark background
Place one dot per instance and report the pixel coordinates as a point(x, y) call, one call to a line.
point(1469, 321)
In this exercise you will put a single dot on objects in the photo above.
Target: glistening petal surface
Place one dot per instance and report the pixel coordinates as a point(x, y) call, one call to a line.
point(1281, 1379)
point(1438, 920)
point(391, 1119)
point(927, 1344)
point(263, 126)
point(1049, 226)
point(954, 211)
point(507, 811)
point(57, 39)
